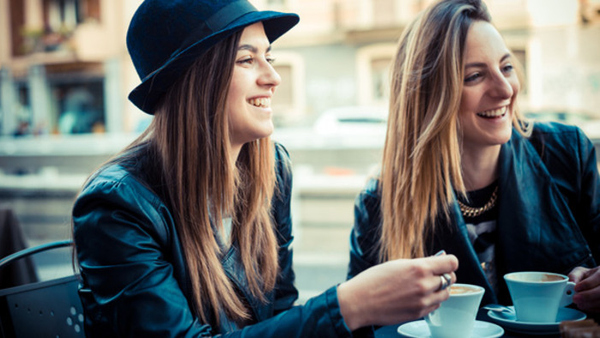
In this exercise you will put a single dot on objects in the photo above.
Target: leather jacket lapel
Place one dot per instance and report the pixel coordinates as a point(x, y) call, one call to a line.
point(234, 269)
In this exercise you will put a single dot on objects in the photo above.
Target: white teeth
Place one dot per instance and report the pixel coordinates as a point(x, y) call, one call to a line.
point(262, 102)
point(493, 113)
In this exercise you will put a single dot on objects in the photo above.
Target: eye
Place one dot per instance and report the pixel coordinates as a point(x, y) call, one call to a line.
point(270, 59)
point(472, 77)
point(246, 60)
point(508, 68)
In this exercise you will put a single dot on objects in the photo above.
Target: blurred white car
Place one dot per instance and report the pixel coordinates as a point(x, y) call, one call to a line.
point(353, 127)
point(352, 120)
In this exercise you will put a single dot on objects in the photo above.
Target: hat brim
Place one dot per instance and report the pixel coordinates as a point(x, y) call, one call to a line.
point(147, 94)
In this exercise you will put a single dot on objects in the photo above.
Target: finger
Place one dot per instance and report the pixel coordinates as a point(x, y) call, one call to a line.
point(588, 272)
point(428, 310)
point(577, 274)
point(442, 264)
point(439, 296)
point(453, 276)
point(591, 280)
point(588, 300)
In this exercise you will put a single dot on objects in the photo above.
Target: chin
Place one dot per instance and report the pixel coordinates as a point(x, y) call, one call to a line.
point(505, 138)
point(264, 133)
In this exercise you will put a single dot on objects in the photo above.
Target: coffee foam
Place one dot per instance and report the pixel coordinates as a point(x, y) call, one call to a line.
point(551, 278)
point(537, 277)
point(457, 290)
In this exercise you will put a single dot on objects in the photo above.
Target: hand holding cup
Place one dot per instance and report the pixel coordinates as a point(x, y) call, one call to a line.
point(396, 291)
point(587, 288)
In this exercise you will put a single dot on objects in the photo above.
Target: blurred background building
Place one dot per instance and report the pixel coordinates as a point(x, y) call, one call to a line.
point(65, 75)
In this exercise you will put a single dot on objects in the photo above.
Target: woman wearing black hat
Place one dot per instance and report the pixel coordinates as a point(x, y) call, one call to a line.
point(188, 230)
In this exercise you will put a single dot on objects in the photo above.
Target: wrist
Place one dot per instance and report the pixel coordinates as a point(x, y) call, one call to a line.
point(349, 307)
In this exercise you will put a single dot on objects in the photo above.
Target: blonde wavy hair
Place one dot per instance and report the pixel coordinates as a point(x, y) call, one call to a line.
point(421, 165)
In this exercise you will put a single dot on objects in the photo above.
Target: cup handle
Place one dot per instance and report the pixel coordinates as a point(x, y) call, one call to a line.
point(567, 297)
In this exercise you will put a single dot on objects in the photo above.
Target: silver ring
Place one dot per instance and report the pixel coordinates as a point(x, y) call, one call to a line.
point(446, 280)
point(444, 284)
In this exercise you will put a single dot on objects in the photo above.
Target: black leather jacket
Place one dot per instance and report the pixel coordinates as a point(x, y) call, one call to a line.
point(549, 212)
point(134, 278)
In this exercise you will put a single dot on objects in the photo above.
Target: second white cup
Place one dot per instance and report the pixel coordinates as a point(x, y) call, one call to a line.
point(537, 296)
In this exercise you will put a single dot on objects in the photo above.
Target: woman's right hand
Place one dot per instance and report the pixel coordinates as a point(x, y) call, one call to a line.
point(395, 291)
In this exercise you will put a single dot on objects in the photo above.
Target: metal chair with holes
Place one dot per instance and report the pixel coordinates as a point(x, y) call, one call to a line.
point(44, 309)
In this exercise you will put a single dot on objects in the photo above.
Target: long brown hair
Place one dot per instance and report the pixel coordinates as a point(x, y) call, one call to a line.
point(189, 138)
point(421, 159)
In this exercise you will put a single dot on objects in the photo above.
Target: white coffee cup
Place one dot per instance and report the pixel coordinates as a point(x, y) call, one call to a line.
point(455, 317)
point(537, 296)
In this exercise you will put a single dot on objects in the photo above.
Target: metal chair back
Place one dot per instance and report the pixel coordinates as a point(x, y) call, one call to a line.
point(44, 309)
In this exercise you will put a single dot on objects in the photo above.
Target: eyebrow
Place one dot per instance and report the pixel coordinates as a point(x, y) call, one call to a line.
point(251, 48)
point(481, 64)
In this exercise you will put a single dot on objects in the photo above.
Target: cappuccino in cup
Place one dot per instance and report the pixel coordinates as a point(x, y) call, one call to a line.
point(457, 289)
point(455, 317)
point(537, 296)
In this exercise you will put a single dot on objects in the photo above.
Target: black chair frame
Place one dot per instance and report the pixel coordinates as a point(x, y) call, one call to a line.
point(44, 309)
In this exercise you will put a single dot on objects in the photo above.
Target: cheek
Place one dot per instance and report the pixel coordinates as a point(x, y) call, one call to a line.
point(516, 86)
point(237, 87)
point(468, 102)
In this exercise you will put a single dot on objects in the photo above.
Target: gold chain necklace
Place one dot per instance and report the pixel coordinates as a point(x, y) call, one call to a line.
point(471, 212)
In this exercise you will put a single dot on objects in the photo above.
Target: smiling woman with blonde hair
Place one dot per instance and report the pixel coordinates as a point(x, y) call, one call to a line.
point(463, 171)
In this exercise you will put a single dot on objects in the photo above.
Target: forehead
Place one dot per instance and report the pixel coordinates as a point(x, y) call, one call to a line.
point(254, 31)
point(484, 42)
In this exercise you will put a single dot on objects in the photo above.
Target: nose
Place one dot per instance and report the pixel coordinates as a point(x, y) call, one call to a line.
point(502, 86)
point(268, 75)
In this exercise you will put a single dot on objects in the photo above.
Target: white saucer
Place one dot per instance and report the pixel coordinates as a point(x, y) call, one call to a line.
point(510, 322)
point(420, 329)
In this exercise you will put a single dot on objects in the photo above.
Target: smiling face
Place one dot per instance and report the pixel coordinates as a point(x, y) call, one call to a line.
point(490, 89)
point(253, 83)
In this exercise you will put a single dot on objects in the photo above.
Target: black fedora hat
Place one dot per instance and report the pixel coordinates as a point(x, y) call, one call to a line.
point(166, 36)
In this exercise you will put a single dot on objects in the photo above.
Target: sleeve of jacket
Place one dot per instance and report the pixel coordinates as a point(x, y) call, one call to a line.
point(122, 245)
point(589, 215)
point(364, 238)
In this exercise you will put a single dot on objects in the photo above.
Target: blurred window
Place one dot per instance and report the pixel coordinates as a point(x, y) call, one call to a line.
point(52, 30)
point(66, 14)
point(373, 64)
point(288, 102)
point(521, 56)
point(380, 69)
point(77, 98)
point(285, 89)
point(17, 24)
point(283, 100)
point(23, 109)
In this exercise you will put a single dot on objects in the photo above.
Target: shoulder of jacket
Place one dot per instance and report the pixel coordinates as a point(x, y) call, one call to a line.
point(554, 130)
point(114, 180)
point(283, 162)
